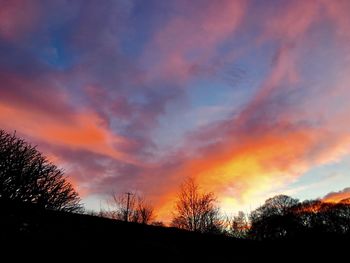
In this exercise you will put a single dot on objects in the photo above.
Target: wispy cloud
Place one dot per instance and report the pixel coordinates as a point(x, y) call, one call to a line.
point(90, 82)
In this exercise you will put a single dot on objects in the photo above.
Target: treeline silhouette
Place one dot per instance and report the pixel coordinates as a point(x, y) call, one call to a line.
point(38, 203)
point(280, 217)
point(283, 217)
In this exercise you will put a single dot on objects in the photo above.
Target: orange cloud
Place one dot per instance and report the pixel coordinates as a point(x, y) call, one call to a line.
point(84, 130)
point(82, 191)
point(243, 159)
point(247, 165)
point(336, 197)
point(245, 172)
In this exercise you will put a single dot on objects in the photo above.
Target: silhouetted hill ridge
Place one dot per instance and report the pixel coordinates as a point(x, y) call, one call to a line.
point(28, 227)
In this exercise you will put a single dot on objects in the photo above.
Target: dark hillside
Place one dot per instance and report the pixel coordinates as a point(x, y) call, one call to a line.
point(25, 226)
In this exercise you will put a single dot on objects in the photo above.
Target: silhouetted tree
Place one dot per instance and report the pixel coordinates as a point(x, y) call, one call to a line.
point(239, 225)
point(196, 211)
point(274, 219)
point(121, 210)
point(345, 201)
point(324, 218)
point(308, 214)
point(139, 210)
point(341, 216)
point(26, 175)
point(285, 217)
point(144, 212)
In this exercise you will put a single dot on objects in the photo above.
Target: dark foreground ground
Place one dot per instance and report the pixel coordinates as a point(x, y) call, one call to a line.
point(32, 233)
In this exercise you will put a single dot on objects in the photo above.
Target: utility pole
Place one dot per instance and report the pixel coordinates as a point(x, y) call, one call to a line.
point(127, 207)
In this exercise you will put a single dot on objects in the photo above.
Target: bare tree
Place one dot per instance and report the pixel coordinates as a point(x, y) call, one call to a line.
point(239, 225)
point(26, 175)
point(122, 207)
point(196, 211)
point(131, 208)
point(144, 210)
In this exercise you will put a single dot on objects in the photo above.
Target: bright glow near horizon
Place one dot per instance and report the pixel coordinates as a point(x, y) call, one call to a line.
point(251, 98)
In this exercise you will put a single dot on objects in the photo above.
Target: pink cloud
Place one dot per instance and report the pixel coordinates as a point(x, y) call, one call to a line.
point(192, 39)
point(287, 127)
point(338, 12)
point(17, 18)
point(292, 22)
point(269, 144)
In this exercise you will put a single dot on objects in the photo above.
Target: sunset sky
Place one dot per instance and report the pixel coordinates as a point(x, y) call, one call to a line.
point(251, 98)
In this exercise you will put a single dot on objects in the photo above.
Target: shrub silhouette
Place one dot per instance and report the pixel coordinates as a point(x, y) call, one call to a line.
point(27, 176)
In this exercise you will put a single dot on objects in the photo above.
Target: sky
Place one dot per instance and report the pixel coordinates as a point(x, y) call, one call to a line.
point(250, 98)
